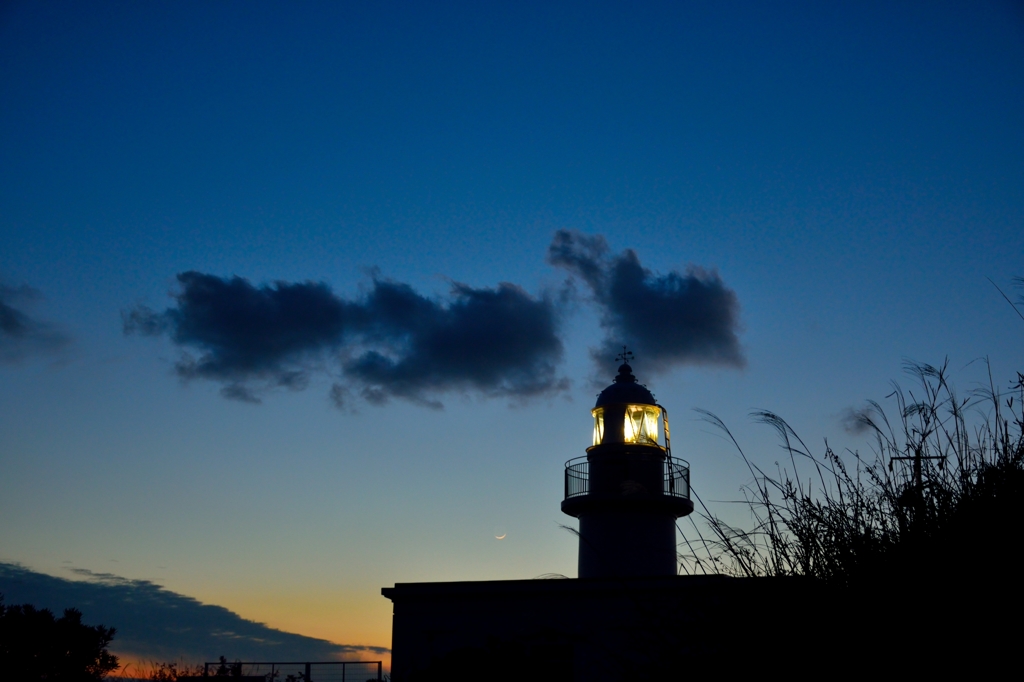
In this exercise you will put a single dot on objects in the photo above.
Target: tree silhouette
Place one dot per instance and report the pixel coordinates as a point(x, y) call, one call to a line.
point(35, 645)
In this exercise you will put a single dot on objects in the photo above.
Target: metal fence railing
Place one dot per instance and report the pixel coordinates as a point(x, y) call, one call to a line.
point(676, 473)
point(577, 477)
point(677, 478)
point(290, 671)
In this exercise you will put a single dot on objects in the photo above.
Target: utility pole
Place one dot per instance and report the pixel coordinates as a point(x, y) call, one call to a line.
point(918, 459)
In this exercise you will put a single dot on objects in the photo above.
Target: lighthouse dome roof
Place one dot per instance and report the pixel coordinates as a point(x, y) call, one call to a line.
point(625, 389)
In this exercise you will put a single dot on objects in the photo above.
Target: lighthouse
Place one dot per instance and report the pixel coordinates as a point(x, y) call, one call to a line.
point(628, 491)
point(629, 615)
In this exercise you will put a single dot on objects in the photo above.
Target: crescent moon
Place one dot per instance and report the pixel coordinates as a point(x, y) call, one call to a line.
point(500, 537)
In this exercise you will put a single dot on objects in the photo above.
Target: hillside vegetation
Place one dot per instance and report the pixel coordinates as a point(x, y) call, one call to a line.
point(917, 543)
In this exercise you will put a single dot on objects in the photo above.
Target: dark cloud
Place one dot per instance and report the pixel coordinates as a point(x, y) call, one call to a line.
point(856, 421)
point(22, 336)
point(393, 342)
point(498, 341)
point(340, 396)
point(156, 624)
point(679, 318)
point(247, 335)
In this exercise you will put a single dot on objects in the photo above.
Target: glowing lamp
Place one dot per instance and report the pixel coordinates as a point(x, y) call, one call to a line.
point(639, 424)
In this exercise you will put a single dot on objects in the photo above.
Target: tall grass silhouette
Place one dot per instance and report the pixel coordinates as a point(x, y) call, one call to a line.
point(916, 543)
point(936, 477)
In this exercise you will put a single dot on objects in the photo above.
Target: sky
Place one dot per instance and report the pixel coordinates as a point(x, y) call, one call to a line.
point(301, 300)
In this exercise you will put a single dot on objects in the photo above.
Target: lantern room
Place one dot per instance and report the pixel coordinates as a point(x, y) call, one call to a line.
point(626, 413)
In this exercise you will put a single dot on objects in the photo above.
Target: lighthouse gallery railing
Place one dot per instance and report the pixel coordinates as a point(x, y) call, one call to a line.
point(676, 478)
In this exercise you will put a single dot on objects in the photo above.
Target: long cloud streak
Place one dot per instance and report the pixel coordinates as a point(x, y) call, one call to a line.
point(392, 343)
point(155, 623)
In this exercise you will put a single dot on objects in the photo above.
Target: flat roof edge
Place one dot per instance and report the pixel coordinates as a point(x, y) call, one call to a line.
point(552, 585)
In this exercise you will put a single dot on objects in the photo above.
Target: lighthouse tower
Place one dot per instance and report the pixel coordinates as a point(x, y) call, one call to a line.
point(628, 491)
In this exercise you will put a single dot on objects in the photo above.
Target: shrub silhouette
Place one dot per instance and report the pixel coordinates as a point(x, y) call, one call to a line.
point(35, 645)
point(170, 671)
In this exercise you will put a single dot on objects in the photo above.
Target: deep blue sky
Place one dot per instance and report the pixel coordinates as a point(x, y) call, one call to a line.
point(854, 172)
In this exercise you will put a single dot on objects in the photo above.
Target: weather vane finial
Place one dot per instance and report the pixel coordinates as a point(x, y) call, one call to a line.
point(626, 355)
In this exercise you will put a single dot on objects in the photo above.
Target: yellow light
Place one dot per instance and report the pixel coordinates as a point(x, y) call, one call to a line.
point(598, 425)
point(651, 423)
point(631, 429)
point(641, 425)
